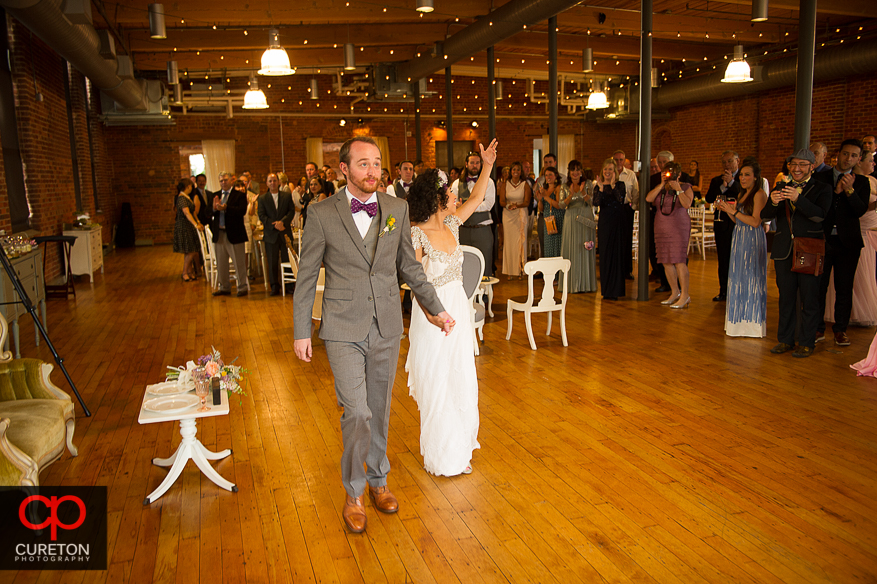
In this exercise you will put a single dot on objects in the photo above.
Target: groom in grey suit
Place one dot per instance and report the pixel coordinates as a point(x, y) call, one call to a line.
point(363, 239)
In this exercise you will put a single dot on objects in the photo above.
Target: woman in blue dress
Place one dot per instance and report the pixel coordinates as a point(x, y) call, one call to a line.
point(745, 315)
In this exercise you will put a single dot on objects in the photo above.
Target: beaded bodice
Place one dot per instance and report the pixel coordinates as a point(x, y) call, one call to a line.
point(441, 267)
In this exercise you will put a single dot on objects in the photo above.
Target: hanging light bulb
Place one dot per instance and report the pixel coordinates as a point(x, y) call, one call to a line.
point(738, 68)
point(314, 91)
point(425, 5)
point(275, 61)
point(349, 57)
point(587, 60)
point(254, 98)
point(759, 10)
point(156, 22)
point(597, 100)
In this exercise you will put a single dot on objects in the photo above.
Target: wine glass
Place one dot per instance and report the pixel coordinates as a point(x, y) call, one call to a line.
point(202, 387)
point(719, 198)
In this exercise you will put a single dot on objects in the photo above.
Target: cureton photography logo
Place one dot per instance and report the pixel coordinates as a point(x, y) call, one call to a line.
point(53, 528)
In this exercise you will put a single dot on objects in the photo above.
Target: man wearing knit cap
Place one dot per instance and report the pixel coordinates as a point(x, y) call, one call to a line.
point(799, 207)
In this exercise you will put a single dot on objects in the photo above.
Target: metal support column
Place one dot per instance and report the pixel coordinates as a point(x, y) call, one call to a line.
point(552, 86)
point(491, 99)
point(449, 121)
point(418, 134)
point(804, 80)
point(645, 148)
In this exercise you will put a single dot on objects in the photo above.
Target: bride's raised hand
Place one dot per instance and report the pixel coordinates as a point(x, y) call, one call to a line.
point(488, 154)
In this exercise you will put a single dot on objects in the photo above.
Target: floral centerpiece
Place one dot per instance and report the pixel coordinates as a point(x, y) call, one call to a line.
point(230, 375)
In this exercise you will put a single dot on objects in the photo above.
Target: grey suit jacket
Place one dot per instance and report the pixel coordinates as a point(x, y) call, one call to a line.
point(357, 287)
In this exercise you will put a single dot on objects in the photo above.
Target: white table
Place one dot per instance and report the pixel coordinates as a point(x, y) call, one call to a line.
point(190, 448)
point(487, 286)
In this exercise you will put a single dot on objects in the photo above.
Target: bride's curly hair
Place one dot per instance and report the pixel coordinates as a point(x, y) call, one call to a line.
point(426, 194)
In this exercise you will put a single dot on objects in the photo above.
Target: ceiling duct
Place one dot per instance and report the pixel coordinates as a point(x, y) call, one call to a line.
point(79, 44)
point(490, 29)
point(831, 63)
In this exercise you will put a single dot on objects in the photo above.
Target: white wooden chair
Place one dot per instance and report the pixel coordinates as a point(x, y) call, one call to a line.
point(473, 271)
point(636, 236)
point(288, 270)
point(549, 267)
point(207, 252)
point(702, 235)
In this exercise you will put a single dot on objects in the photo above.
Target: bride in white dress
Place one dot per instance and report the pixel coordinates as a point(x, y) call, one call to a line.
point(441, 369)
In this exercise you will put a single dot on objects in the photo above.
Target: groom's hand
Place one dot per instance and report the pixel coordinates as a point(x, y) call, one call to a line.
point(444, 321)
point(303, 349)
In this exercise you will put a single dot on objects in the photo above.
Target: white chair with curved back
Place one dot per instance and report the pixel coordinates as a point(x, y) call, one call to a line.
point(207, 251)
point(473, 271)
point(549, 267)
point(288, 270)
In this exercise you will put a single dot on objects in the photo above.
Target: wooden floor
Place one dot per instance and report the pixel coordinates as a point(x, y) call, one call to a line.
point(652, 449)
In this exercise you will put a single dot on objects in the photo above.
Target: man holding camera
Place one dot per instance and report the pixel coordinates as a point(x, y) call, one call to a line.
point(726, 185)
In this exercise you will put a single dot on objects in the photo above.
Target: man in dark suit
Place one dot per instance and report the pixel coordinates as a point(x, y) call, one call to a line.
point(229, 234)
point(843, 236)
point(725, 184)
point(869, 144)
point(806, 201)
point(276, 211)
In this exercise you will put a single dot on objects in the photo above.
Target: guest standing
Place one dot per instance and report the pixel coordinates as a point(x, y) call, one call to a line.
point(579, 228)
point(609, 197)
point(514, 198)
point(548, 200)
point(724, 185)
point(864, 311)
point(186, 229)
point(799, 207)
point(746, 309)
point(843, 236)
point(229, 234)
point(672, 231)
point(275, 211)
point(696, 179)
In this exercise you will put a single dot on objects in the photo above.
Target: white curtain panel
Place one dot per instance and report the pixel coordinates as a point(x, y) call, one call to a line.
point(218, 157)
point(384, 147)
point(566, 150)
point(314, 151)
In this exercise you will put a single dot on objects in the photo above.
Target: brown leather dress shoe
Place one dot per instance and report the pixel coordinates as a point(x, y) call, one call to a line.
point(383, 499)
point(354, 514)
point(841, 339)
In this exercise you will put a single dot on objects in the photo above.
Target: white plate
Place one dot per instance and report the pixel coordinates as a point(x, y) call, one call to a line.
point(172, 404)
point(169, 388)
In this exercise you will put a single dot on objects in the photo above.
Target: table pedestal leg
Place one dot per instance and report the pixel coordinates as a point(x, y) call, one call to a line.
point(190, 448)
point(490, 300)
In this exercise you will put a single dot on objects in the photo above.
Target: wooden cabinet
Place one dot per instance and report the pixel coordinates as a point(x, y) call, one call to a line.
point(29, 269)
point(87, 254)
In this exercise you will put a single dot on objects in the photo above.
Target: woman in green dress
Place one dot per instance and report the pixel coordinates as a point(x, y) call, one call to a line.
point(579, 229)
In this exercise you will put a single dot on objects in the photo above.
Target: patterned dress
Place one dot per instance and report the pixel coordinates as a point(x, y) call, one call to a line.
point(746, 310)
point(551, 248)
point(185, 234)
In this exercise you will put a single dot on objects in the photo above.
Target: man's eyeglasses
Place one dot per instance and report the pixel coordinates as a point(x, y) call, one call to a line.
point(798, 164)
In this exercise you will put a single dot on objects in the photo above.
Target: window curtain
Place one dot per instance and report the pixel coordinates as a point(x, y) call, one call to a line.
point(384, 147)
point(314, 151)
point(218, 157)
point(566, 150)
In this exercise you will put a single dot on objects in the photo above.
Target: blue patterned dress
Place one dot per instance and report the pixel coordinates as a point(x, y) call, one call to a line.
point(746, 312)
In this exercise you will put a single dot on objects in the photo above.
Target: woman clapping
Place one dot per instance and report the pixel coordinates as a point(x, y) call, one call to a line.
point(609, 196)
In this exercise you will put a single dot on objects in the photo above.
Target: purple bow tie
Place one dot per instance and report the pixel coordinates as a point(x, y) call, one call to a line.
point(356, 206)
point(471, 179)
point(405, 185)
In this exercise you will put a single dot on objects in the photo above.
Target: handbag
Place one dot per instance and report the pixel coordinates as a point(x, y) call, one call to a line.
point(550, 225)
point(808, 253)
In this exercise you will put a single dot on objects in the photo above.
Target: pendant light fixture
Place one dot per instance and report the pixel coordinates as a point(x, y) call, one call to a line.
point(255, 98)
point(275, 61)
point(349, 57)
point(656, 78)
point(173, 73)
point(759, 10)
point(597, 99)
point(314, 90)
point(738, 69)
point(156, 22)
point(425, 6)
point(587, 60)
point(498, 89)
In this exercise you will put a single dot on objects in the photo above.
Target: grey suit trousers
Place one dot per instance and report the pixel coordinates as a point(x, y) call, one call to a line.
point(225, 250)
point(364, 373)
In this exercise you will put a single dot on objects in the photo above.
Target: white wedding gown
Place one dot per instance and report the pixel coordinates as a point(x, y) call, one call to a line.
point(441, 369)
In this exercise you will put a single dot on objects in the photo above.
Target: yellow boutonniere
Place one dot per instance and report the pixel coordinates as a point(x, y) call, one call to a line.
point(390, 226)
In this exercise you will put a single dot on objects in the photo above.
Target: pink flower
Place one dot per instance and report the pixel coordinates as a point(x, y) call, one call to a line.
point(212, 368)
point(589, 245)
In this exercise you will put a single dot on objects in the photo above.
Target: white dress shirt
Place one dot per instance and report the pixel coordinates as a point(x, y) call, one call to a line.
point(361, 218)
point(489, 197)
point(631, 196)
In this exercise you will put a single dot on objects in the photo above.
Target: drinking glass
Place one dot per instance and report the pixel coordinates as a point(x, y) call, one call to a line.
point(202, 387)
point(719, 214)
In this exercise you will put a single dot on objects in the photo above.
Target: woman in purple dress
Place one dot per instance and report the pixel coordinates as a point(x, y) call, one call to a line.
point(672, 231)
